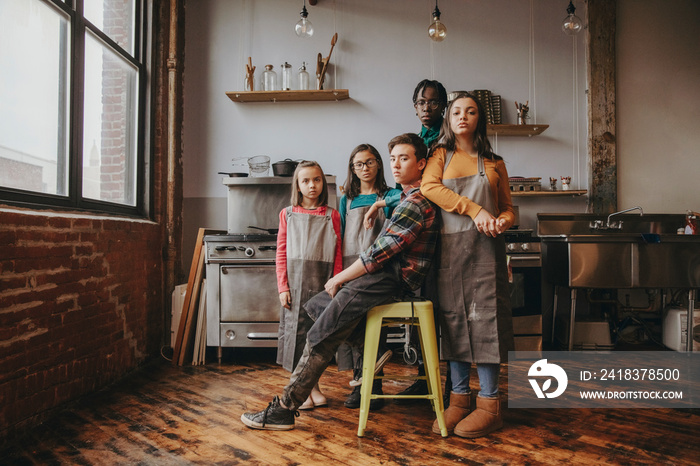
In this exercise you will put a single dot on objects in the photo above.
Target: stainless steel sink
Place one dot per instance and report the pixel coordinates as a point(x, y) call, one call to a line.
point(634, 251)
point(552, 225)
point(645, 252)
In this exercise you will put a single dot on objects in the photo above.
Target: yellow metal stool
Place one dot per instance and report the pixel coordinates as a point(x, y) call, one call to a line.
point(415, 313)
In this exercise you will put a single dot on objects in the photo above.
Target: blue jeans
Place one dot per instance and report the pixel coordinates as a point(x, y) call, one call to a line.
point(488, 378)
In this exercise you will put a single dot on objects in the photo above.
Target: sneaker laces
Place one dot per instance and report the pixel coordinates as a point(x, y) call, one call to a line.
point(275, 403)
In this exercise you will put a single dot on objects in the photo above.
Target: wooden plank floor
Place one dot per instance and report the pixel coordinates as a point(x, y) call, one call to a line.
point(165, 415)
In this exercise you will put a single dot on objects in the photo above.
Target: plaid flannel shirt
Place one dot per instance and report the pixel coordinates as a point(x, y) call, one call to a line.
point(408, 237)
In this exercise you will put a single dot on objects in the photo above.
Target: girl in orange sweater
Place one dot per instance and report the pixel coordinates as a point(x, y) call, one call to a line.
point(470, 185)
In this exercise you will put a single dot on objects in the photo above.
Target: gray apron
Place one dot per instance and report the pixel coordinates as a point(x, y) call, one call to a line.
point(475, 317)
point(356, 239)
point(311, 242)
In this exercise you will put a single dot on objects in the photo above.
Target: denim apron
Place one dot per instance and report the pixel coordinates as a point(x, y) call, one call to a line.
point(311, 243)
point(475, 315)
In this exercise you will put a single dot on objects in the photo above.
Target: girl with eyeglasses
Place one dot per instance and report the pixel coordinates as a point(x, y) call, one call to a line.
point(365, 188)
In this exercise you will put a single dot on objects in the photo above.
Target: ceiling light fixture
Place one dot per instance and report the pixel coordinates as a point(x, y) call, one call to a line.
point(304, 28)
point(572, 24)
point(437, 31)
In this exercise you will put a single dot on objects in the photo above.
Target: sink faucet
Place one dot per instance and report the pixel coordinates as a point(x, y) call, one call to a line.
point(598, 224)
point(618, 225)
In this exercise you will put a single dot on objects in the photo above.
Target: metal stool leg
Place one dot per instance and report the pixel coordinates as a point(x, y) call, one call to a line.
point(431, 360)
point(372, 334)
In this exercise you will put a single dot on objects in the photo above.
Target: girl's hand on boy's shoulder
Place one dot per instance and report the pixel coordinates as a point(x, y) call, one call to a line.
point(286, 299)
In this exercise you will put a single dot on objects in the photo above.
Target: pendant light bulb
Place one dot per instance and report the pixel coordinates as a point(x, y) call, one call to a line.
point(304, 28)
point(572, 24)
point(437, 31)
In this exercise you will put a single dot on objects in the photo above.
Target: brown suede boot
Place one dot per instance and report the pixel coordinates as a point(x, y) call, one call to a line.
point(485, 419)
point(460, 406)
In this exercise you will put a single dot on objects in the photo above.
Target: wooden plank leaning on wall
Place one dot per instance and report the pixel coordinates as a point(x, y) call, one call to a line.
point(184, 340)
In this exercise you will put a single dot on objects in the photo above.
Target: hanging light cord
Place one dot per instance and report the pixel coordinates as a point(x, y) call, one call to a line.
point(576, 153)
point(432, 44)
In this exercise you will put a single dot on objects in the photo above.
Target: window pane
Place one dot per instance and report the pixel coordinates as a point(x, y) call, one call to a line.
point(115, 18)
point(34, 56)
point(110, 119)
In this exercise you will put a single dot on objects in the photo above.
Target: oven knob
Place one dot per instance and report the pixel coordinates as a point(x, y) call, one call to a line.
point(525, 247)
point(511, 247)
point(230, 334)
point(249, 252)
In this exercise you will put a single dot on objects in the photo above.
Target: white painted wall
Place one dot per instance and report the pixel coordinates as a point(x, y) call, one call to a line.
point(658, 105)
point(383, 51)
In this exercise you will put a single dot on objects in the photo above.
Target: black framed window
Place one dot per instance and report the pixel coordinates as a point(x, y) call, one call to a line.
point(73, 100)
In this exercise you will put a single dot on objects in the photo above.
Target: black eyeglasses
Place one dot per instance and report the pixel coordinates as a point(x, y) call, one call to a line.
point(432, 104)
point(369, 163)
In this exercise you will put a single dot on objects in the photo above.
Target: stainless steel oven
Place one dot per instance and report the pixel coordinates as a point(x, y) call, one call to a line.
point(242, 300)
point(525, 267)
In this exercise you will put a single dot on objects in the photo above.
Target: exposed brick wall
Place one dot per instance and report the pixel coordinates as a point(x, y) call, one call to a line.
point(81, 304)
point(83, 298)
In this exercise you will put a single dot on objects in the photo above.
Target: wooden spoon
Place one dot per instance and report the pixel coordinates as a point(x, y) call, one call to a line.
point(326, 60)
point(250, 69)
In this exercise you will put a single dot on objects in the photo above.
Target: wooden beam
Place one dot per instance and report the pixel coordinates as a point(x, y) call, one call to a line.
point(602, 147)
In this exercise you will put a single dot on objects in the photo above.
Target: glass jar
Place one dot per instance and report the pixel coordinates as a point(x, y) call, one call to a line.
point(303, 78)
point(269, 79)
point(286, 76)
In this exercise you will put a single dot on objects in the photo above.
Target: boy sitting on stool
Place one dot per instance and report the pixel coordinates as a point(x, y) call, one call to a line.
point(394, 265)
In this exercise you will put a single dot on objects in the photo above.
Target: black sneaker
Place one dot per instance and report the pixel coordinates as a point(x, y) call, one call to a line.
point(376, 403)
point(353, 400)
point(419, 387)
point(274, 417)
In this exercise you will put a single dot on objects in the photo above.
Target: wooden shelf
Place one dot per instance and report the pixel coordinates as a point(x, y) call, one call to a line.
point(515, 130)
point(572, 193)
point(289, 96)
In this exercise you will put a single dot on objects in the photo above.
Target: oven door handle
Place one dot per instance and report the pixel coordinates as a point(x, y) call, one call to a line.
point(526, 260)
point(245, 264)
point(262, 336)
